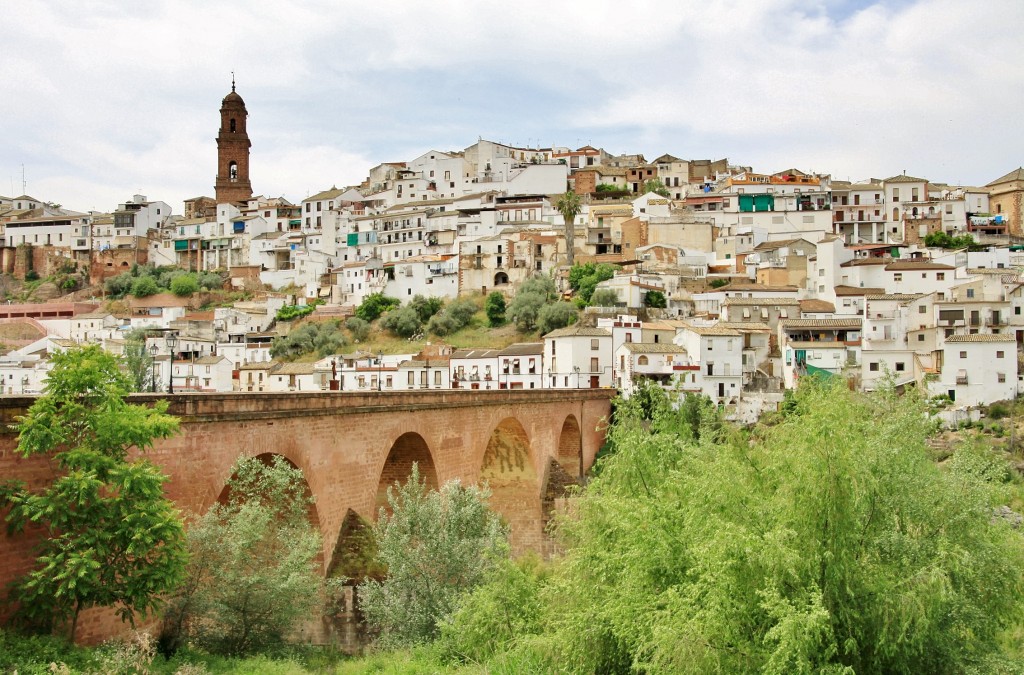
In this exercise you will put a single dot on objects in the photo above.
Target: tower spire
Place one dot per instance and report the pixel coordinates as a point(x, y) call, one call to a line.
point(232, 80)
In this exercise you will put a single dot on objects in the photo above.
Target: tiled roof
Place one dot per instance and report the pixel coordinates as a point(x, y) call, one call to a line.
point(741, 326)
point(898, 297)
point(295, 369)
point(982, 337)
point(716, 329)
point(842, 290)
point(760, 301)
point(817, 306)
point(1016, 174)
point(903, 178)
point(577, 330)
point(910, 265)
point(523, 349)
point(821, 323)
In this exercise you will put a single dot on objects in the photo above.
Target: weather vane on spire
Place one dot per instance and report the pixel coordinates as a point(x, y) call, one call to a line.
point(232, 80)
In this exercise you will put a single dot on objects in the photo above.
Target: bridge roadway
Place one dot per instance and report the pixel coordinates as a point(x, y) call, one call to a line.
point(526, 444)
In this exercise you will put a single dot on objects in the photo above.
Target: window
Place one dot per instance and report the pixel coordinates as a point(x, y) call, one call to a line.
point(1000, 355)
point(897, 276)
point(873, 366)
point(963, 355)
point(970, 292)
point(1001, 377)
point(922, 309)
point(594, 344)
point(594, 367)
point(900, 366)
point(920, 337)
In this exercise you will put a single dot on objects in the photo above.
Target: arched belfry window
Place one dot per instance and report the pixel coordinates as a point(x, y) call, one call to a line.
point(233, 170)
point(232, 125)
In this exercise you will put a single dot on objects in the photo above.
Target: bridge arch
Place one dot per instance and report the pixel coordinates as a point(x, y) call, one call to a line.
point(509, 471)
point(408, 448)
point(570, 447)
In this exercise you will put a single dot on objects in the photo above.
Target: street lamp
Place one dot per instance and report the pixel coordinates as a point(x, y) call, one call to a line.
point(380, 368)
point(172, 342)
point(153, 349)
point(576, 370)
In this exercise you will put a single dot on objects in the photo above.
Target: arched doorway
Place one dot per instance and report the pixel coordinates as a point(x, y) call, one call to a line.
point(509, 472)
point(500, 279)
point(407, 448)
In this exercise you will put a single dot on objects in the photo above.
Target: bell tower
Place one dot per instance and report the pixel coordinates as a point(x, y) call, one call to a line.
point(233, 150)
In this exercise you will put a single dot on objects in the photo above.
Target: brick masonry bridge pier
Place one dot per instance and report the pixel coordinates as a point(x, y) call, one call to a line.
point(528, 445)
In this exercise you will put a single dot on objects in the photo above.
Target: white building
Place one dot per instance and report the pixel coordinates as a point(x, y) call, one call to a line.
point(978, 369)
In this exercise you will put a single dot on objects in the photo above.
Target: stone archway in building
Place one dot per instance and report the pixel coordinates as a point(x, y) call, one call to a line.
point(500, 279)
point(509, 472)
point(407, 449)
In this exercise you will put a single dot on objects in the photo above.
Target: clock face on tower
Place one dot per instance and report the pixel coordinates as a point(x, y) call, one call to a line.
point(233, 151)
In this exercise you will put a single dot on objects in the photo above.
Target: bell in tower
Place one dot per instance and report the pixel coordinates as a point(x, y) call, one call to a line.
point(233, 151)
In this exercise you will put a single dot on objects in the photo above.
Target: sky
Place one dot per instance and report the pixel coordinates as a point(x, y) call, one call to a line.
point(104, 99)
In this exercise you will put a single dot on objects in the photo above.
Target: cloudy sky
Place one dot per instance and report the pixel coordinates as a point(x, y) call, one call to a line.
point(103, 98)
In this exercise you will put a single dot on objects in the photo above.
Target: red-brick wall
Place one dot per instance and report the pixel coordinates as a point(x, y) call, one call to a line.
point(348, 446)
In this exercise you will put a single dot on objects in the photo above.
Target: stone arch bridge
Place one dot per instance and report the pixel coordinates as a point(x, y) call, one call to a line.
point(527, 444)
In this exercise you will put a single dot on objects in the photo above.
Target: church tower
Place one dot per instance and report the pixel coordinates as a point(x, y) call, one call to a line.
point(233, 151)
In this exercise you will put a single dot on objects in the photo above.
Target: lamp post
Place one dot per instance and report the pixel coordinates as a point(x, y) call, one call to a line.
point(172, 342)
point(152, 362)
point(426, 375)
point(380, 369)
point(576, 370)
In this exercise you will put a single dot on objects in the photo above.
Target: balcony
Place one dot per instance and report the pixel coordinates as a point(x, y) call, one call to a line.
point(961, 379)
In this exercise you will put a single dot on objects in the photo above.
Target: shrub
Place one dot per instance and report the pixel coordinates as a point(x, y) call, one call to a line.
point(718, 283)
point(374, 305)
point(556, 315)
point(604, 297)
point(184, 285)
point(144, 287)
point(495, 309)
point(453, 318)
point(998, 411)
point(292, 312)
point(655, 299)
point(359, 328)
point(436, 545)
point(425, 307)
point(403, 322)
point(211, 281)
point(120, 285)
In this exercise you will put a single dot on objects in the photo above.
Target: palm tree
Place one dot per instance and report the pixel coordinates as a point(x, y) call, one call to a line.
point(569, 206)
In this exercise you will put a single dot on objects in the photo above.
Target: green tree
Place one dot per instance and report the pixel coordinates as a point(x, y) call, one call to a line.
point(604, 297)
point(556, 315)
point(137, 361)
point(655, 186)
point(436, 545)
point(569, 205)
point(454, 317)
point(211, 281)
point(426, 307)
point(403, 321)
point(525, 307)
point(655, 299)
point(184, 285)
point(827, 543)
point(495, 309)
point(120, 285)
point(374, 305)
point(358, 328)
point(144, 287)
point(111, 536)
point(253, 572)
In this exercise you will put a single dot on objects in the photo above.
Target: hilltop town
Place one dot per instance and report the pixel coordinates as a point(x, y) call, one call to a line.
point(703, 276)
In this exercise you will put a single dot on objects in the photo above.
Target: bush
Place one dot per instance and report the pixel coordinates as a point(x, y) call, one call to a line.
point(718, 283)
point(184, 285)
point(453, 318)
point(253, 573)
point(436, 546)
point(323, 339)
point(655, 299)
point(554, 316)
point(604, 297)
point(374, 305)
point(495, 309)
point(359, 328)
point(31, 275)
point(144, 287)
point(425, 307)
point(998, 411)
point(211, 281)
point(403, 322)
point(292, 312)
point(120, 285)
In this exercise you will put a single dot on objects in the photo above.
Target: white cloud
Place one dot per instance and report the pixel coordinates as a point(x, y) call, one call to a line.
point(107, 97)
